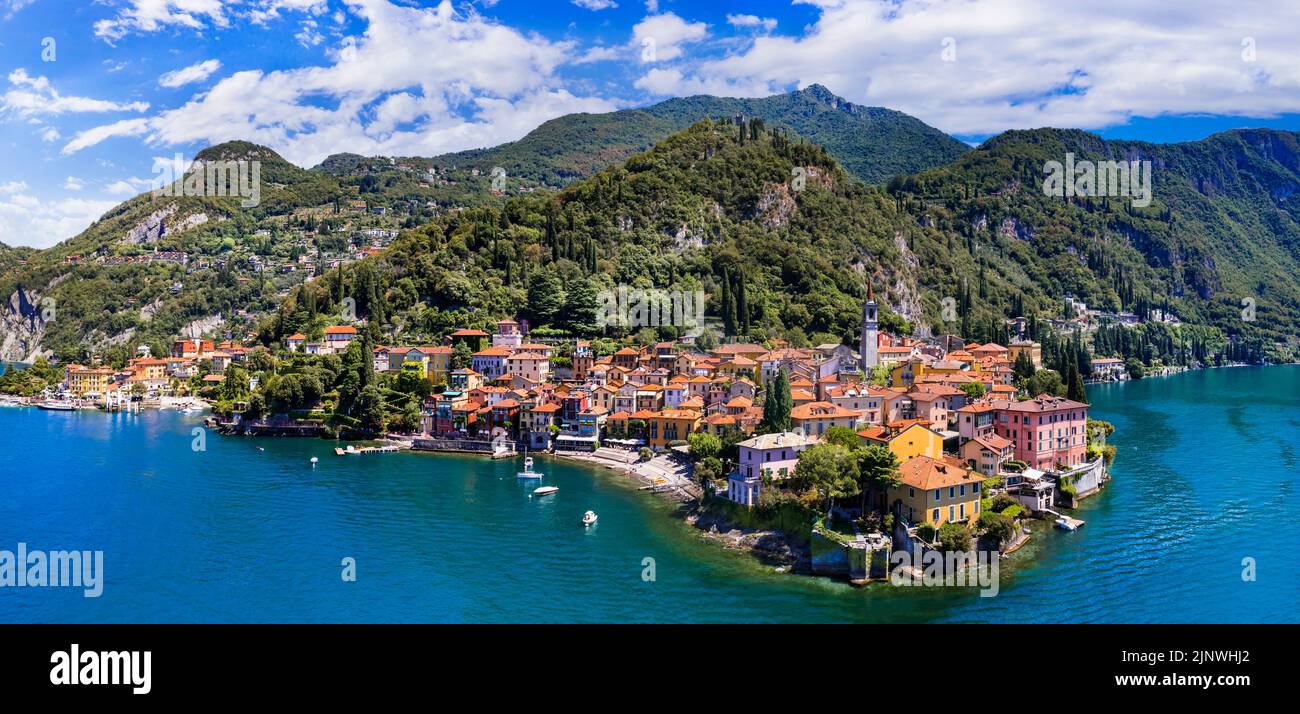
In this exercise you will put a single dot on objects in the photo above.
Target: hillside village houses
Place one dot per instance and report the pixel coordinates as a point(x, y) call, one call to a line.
point(947, 435)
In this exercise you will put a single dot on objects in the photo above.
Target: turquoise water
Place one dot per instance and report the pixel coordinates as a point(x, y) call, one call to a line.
point(1205, 478)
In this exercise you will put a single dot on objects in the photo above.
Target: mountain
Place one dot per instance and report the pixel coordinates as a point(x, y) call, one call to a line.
point(1221, 233)
point(956, 248)
point(873, 143)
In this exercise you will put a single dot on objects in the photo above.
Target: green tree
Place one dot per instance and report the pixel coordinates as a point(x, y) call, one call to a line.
point(842, 436)
point(704, 446)
point(877, 471)
point(461, 355)
point(582, 309)
point(954, 537)
point(1044, 381)
point(831, 470)
point(546, 298)
point(1074, 384)
point(777, 404)
point(973, 390)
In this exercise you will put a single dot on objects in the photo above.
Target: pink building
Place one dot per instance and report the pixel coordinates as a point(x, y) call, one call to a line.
point(1045, 430)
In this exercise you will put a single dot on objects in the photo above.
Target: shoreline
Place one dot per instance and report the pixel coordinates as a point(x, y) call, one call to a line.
point(769, 546)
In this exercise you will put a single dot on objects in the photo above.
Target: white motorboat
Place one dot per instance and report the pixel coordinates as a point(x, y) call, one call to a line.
point(1066, 524)
point(528, 471)
point(53, 406)
point(589, 518)
point(545, 490)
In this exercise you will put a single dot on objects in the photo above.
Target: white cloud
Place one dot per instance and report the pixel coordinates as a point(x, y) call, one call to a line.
point(10, 7)
point(91, 137)
point(309, 35)
point(600, 54)
point(27, 220)
point(1018, 64)
point(129, 187)
point(595, 4)
point(386, 92)
point(194, 73)
point(72, 183)
point(49, 134)
point(154, 15)
point(32, 96)
point(665, 34)
point(767, 24)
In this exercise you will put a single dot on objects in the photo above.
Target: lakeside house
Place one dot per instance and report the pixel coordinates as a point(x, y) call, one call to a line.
point(766, 457)
point(935, 491)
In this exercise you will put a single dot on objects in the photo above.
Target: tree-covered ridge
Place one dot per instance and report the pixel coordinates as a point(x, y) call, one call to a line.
point(159, 263)
point(714, 207)
point(718, 207)
point(872, 143)
point(1221, 227)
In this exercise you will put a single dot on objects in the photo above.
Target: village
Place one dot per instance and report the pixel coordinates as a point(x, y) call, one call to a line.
point(967, 452)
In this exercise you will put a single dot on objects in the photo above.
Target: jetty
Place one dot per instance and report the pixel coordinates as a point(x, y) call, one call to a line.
point(385, 449)
point(1064, 521)
point(495, 449)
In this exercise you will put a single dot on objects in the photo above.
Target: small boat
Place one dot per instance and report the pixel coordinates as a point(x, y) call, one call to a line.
point(313, 461)
point(1066, 524)
point(589, 518)
point(56, 406)
point(528, 471)
point(545, 490)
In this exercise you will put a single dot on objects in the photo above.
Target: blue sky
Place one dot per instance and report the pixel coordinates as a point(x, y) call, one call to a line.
point(94, 95)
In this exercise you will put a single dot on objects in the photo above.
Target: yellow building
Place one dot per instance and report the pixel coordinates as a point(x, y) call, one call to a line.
point(911, 441)
point(1034, 350)
point(665, 427)
point(87, 380)
point(936, 491)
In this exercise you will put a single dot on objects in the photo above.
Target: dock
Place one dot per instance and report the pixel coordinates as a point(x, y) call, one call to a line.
point(387, 449)
point(1070, 523)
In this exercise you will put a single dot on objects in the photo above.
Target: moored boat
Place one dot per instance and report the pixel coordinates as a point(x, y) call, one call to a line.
point(57, 406)
point(545, 490)
point(528, 471)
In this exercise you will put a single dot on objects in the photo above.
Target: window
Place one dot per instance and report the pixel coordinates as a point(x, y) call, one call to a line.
point(951, 510)
point(963, 510)
point(911, 492)
point(975, 488)
point(952, 491)
point(935, 517)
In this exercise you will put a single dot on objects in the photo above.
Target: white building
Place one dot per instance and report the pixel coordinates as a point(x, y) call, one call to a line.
point(771, 456)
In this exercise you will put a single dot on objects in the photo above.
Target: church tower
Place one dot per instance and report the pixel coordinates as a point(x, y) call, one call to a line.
point(870, 356)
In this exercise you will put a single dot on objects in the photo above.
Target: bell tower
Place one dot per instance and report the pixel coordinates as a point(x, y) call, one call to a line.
point(870, 356)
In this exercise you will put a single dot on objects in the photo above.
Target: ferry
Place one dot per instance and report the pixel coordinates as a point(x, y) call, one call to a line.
point(57, 406)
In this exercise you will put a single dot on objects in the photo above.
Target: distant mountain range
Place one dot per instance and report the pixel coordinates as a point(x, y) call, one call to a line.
point(707, 205)
point(872, 143)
